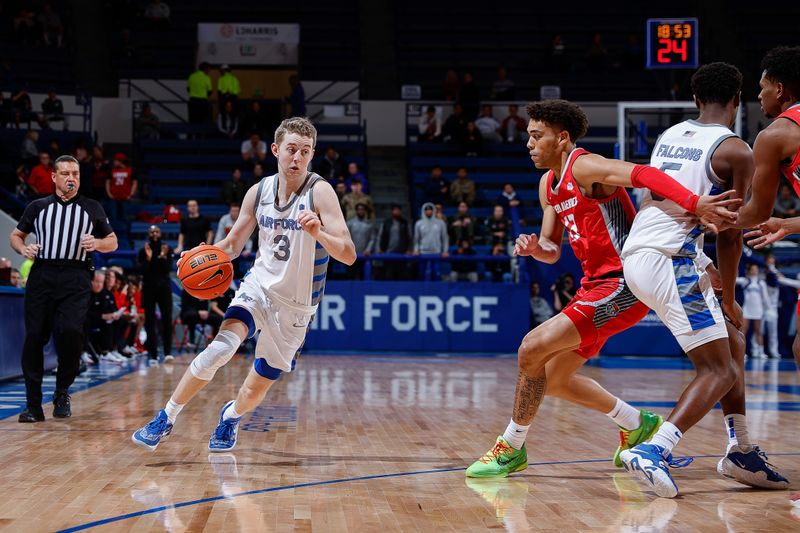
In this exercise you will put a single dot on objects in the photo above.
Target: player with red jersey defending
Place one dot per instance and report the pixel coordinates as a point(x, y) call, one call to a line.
point(584, 193)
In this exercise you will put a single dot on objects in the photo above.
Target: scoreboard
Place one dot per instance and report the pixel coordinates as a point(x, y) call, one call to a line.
point(672, 43)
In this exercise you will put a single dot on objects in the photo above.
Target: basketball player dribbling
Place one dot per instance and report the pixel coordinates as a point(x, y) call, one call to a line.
point(300, 224)
point(662, 270)
point(585, 194)
point(776, 151)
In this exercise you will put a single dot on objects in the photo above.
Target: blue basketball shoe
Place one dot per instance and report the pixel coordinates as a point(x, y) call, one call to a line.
point(149, 436)
point(224, 437)
point(650, 464)
point(749, 466)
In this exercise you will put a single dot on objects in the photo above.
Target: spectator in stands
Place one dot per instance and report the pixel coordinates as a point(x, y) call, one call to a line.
point(228, 121)
point(436, 188)
point(5, 272)
point(81, 153)
point(472, 140)
point(100, 320)
point(25, 26)
point(362, 230)
point(157, 11)
point(597, 54)
point(430, 233)
point(488, 125)
point(233, 191)
point(430, 126)
point(787, 205)
point(254, 119)
point(228, 87)
point(195, 229)
point(331, 167)
point(52, 110)
point(155, 264)
point(462, 224)
point(224, 227)
point(101, 171)
point(296, 98)
point(254, 150)
point(514, 128)
point(121, 184)
point(217, 308)
point(394, 238)
point(462, 189)
point(439, 212)
point(52, 28)
point(500, 269)
point(557, 53)
point(464, 270)
point(353, 172)
point(503, 88)
point(16, 279)
point(353, 198)
point(508, 199)
point(469, 97)
point(147, 125)
point(341, 192)
point(563, 291)
point(54, 149)
point(5, 111)
point(455, 126)
point(193, 312)
point(21, 107)
point(199, 88)
point(258, 174)
point(541, 310)
point(498, 227)
point(29, 151)
point(40, 180)
point(450, 86)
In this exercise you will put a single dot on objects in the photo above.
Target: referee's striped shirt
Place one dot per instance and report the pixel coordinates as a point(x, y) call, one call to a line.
point(59, 226)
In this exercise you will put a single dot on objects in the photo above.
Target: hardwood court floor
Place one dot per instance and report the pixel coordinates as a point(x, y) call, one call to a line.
point(366, 444)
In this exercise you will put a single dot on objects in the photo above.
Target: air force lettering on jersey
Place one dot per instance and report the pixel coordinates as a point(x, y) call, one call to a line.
point(684, 152)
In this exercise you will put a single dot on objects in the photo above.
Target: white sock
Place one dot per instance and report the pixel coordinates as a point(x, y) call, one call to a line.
point(515, 434)
point(667, 437)
point(625, 415)
point(173, 409)
point(231, 412)
point(737, 431)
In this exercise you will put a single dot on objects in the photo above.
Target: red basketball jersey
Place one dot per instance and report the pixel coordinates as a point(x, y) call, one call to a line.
point(596, 228)
point(792, 169)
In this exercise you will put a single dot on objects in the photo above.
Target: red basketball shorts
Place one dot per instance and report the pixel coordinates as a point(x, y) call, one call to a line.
point(602, 308)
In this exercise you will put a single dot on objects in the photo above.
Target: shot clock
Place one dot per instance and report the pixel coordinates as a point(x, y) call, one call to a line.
point(672, 43)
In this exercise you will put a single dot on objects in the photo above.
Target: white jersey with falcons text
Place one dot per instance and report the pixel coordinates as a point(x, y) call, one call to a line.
point(684, 153)
point(291, 265)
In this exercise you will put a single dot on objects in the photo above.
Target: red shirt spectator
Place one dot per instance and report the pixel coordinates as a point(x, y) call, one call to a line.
point(121, 184)
point(41, 176)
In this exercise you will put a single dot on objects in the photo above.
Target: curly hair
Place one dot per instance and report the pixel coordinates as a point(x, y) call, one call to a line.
point(716, 83)
point(299, 125)
point(782, 64)
point(566, 115)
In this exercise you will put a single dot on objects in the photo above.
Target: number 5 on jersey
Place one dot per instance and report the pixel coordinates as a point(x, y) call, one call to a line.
point(283, 252)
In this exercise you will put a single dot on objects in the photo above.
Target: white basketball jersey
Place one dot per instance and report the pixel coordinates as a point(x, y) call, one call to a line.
point(684, 153)
point(291, 264)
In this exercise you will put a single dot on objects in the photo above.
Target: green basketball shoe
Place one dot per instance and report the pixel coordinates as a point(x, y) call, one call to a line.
point(630, 438)
point(500, 461)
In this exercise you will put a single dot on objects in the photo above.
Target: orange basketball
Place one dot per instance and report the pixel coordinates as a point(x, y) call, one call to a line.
point(205, 272)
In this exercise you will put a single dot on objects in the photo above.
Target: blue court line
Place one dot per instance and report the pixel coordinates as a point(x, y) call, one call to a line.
point(154, 510)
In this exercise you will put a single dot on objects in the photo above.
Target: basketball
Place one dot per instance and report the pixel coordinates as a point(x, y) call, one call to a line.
point(205, 272)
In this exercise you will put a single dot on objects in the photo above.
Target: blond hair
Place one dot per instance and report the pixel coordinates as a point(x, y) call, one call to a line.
point(299, 125)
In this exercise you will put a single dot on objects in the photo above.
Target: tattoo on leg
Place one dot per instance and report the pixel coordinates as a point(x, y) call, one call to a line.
point(529, 395)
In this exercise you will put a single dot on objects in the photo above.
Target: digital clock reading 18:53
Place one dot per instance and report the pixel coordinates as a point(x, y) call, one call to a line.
point(672, 43)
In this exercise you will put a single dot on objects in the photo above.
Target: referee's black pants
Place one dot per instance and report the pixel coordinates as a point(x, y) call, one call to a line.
point(56, 302)
point(161, 295)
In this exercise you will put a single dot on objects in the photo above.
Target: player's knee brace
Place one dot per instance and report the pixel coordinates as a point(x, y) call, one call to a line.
point(216, 354)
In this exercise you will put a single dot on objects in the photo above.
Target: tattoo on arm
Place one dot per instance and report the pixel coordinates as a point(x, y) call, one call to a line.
point(529, 395)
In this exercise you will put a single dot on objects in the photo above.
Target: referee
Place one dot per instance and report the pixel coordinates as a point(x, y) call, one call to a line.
point(68, 228)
